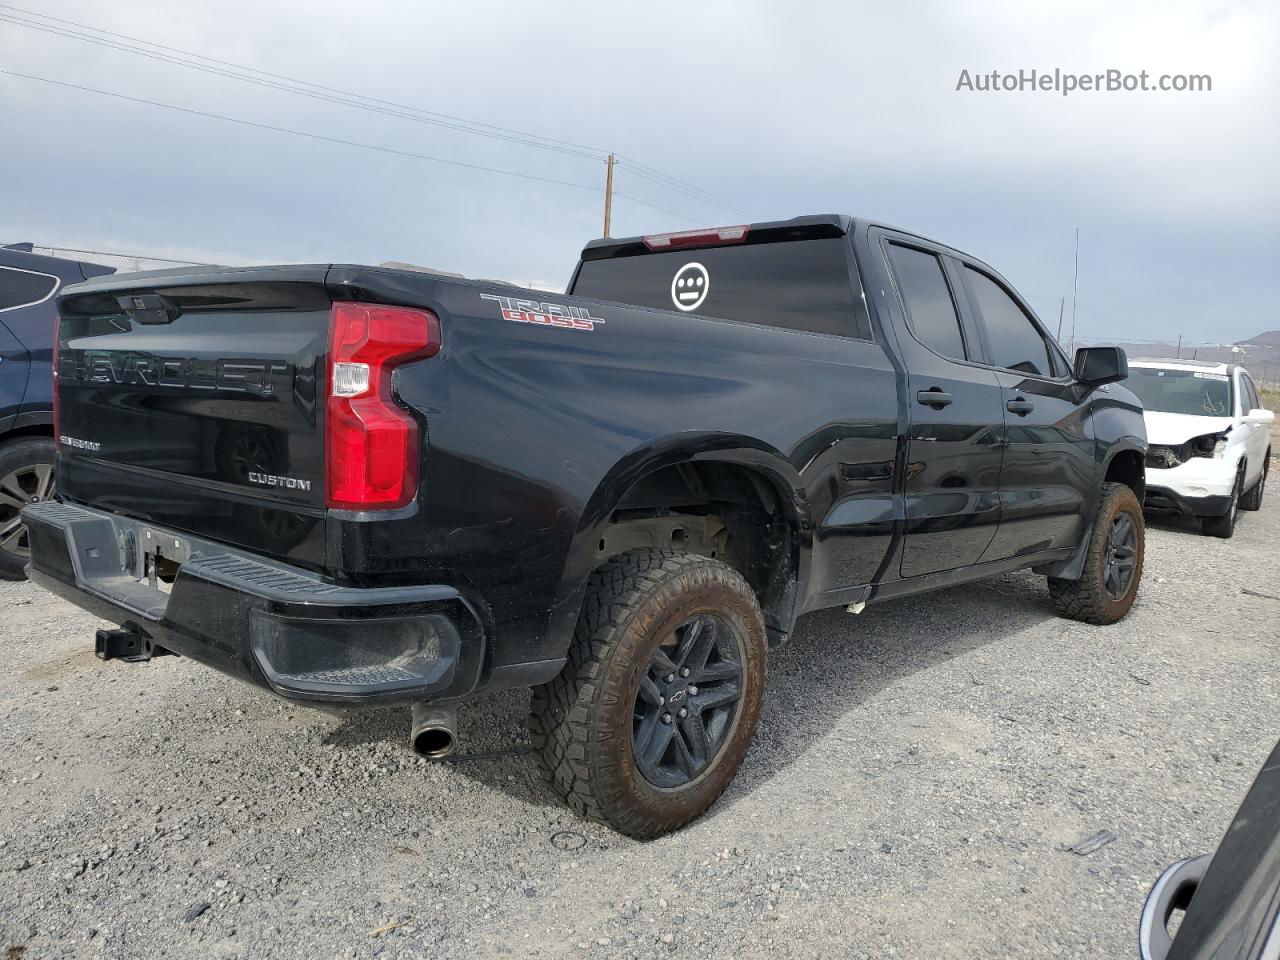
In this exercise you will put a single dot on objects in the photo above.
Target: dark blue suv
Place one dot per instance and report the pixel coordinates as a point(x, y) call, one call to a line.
point(28, 283)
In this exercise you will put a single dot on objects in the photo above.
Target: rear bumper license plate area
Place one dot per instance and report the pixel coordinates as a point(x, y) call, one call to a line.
point(268, 623)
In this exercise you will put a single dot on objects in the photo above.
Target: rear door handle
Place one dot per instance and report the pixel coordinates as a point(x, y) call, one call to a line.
point(1020, 407)
point(933, 397)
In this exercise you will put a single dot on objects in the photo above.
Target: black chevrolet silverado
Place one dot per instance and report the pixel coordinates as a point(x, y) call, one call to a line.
point(365, 485)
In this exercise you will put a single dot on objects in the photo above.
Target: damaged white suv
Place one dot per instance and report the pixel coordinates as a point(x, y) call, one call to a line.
point(1209, 439)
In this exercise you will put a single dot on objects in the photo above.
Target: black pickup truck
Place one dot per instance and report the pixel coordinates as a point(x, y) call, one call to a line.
point(367, 485)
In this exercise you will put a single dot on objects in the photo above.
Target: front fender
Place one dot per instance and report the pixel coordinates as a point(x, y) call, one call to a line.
point(1073, 566)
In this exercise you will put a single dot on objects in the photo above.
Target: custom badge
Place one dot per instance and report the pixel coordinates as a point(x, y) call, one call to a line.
point(689, 287)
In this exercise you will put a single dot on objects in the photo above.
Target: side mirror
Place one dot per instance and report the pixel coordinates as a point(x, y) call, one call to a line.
point(1260, 416)
point(1098, 365)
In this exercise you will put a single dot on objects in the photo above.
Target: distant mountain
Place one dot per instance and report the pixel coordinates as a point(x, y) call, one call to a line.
point(1270, 339)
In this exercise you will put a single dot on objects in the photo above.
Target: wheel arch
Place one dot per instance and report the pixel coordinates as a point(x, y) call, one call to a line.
point(729, 459)
point(1126, 463)
point(29, 424)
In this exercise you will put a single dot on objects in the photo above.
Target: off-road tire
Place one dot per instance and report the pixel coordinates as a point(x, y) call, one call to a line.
point(1087, 599)
point(580, 723)
point(1224, 527)
point(1253, 499)
point(19, 456)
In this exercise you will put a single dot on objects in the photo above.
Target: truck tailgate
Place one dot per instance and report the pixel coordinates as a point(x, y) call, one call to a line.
point(193, 399)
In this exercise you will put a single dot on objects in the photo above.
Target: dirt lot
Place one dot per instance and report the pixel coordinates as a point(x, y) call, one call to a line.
point(919, 770)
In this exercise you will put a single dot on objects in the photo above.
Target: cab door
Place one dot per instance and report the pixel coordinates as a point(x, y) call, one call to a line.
point(1049, 463)
point(26, 325)
point(951, 486)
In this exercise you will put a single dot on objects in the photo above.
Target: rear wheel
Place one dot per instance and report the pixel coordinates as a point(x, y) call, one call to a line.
point(1224, 526)
point(1253, 499)
point(658, 702)
point(26, 477)
point(1112, 570)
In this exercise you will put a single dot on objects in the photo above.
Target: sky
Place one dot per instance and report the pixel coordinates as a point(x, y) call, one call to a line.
point(775, 109)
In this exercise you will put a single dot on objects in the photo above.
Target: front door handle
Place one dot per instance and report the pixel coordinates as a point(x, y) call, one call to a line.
point(1020, 407)
point(933, 397)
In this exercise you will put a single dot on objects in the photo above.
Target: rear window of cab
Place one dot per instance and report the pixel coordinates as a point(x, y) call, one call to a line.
point(799, 284)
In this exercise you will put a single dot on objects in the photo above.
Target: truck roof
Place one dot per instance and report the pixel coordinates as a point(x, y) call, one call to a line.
point(1176, 363)
point(806, 227)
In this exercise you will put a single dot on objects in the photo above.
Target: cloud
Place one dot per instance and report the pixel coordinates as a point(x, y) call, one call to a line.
point(786, 110)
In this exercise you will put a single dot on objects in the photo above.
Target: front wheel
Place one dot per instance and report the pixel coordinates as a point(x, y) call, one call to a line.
point(26, 477)
point(1113, 566)
point(649, 720)
point(1224, 527)
point(1253, 499)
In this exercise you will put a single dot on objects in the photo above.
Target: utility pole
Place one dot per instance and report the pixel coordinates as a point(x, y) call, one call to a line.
point(1179, 357)
point(1061, 307)
point(608, 195)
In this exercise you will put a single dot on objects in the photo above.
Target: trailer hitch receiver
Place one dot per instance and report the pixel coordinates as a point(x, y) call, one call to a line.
point(127, 645)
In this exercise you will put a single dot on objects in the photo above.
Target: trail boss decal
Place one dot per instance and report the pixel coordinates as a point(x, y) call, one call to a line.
point(547, 314)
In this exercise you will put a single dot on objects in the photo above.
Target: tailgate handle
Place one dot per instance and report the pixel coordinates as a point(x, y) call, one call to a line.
point(149, 307)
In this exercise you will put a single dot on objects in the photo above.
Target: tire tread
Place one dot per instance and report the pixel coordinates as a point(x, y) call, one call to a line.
point(562, 710)
point(1087, 599)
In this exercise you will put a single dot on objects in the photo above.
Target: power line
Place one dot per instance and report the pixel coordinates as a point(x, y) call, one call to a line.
point(339, 140)
point(662, 179)
point(272, 85)
point(624, 196)
point(733, 208)
point(288, 84)
point(594, 151)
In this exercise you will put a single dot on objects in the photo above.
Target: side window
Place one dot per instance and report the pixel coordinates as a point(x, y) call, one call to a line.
point(1015, 342)
point(930, 310)
point(21, 287)
point(1250, 394)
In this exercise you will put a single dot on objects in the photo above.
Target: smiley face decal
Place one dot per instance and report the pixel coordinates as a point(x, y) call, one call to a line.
point(689, 287)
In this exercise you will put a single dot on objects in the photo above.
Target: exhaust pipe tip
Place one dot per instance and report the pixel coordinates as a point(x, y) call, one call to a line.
point(434, 734)
point(434, 743)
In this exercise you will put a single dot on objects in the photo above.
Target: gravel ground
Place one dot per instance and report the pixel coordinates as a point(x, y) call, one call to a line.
point(918, 772)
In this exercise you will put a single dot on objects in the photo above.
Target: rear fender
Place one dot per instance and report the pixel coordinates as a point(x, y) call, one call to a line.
point(691, 447)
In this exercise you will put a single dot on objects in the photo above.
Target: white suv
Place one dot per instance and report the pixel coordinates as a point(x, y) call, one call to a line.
point(1209, 439)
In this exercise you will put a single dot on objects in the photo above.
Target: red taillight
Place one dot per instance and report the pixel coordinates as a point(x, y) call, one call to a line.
point(697, 238)
point(371, 443)
point(53, 369)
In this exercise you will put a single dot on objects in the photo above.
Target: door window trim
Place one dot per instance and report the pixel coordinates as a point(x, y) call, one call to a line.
point(1247, 389)
point(57, 282)
point(1053, 352)
point(971, 356)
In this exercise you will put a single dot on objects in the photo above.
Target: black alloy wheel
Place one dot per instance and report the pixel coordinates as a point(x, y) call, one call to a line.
point(26, 477)
point(1121, 555)
point(687, 701)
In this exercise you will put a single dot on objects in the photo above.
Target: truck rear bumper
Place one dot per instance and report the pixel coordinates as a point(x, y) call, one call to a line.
point(267, 623)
